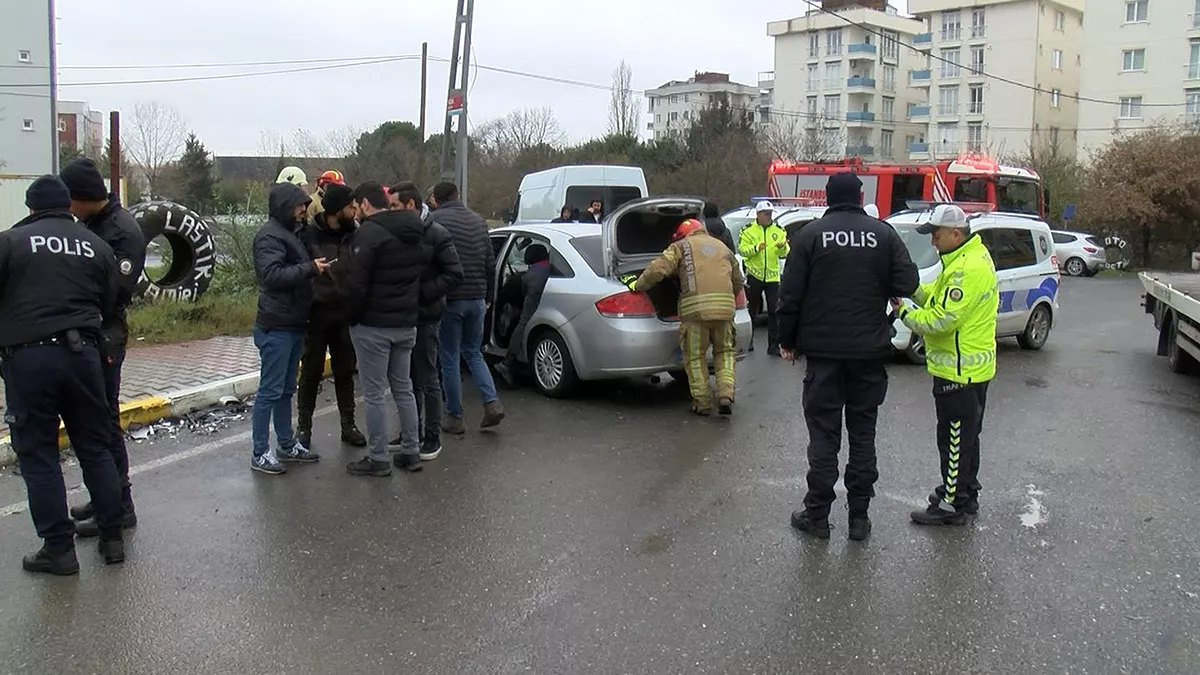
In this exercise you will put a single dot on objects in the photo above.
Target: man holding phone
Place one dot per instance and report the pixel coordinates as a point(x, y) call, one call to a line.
point(329, 236)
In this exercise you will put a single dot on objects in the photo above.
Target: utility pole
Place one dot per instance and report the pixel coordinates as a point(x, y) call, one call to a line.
point(53, 87)
point(456, 99)
point(424, 90)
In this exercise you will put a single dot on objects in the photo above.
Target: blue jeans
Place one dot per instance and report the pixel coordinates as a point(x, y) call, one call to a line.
point(462, 337)
point(279, 352)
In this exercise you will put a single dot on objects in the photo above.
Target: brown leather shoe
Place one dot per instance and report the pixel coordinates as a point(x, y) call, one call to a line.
point(493, 414)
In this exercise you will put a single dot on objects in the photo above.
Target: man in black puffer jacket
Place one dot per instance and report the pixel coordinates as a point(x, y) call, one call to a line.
point(462, 323)
point(383, 300)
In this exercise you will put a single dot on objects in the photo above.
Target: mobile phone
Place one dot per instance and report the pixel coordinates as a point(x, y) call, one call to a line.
point(330, 262)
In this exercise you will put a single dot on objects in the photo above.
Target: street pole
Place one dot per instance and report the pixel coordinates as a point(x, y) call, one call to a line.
point(461, 156)
point(446, 169)
point(114, 153)
point(424, 89)
point(53, 88)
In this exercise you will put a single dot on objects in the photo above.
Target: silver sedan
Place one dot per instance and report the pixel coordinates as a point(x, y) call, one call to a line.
point(588, 325)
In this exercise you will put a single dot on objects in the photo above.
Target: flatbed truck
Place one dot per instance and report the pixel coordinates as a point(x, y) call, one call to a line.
point(1173, 298)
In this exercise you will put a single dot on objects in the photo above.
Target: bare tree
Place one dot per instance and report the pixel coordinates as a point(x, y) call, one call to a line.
point(155, 139)
point(623, 107)
point(521, 131)
point(798, 138)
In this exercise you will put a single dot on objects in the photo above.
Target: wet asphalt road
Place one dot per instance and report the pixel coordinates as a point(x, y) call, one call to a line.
point(616, 533)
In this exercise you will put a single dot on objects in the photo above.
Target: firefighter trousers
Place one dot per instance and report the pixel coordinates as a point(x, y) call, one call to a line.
point(960, 410)
point(332, 337)
point(695, 338)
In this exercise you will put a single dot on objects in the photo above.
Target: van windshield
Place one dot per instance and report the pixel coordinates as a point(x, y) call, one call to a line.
point(1018, 196)
point(920, 246)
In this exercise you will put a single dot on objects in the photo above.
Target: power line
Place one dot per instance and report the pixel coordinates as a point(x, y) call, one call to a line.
point(173, 66)
point(1016, 83)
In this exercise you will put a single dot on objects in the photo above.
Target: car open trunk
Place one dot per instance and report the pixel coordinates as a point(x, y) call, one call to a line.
point(638, 232)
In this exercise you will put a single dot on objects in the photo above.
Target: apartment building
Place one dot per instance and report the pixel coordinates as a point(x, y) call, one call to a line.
point(844, 86)
point(967, 47)
point(676, 104)
point(1143, 58)
point(27, 127)
point(80, 129)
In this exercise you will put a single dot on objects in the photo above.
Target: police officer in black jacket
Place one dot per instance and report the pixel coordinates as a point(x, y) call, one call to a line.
point(103, 214)
point(833, 296)
point(58, 285)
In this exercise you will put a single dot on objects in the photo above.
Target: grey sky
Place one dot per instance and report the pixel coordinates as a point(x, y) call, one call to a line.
point(661, 39)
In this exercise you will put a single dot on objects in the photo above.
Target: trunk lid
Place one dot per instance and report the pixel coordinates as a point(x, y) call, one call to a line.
point(640, 230)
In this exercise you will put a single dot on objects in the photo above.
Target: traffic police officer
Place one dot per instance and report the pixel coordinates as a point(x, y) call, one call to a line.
point(58, 281)
point(956, 314)
point(833, 303)
point(762, 244)
point(103, 214)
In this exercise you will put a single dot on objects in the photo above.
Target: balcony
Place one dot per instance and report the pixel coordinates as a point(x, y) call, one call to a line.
point(919, 78)
point(766, 80)
point(951, 33)
point(859, 116)
point(951, 71)
point(947, 110)
point(918, 148)
point(860, 82)
point(861, 49)
point(918, 112)
point(860, 151)
point(924, 40)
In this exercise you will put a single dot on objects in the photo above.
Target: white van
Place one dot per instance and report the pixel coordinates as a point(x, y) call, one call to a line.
point(1026, 273)
point(542, 195)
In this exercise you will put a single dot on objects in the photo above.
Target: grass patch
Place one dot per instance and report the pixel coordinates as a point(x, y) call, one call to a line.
point(212, 315)
point(1111, 272)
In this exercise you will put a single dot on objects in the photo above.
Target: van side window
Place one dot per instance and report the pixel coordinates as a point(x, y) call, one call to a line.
point(581, 196)
point(1010, 247)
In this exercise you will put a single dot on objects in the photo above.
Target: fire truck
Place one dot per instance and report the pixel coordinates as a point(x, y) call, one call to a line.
point(891, 187)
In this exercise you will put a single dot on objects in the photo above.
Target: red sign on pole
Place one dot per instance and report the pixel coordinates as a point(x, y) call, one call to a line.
point(454, 104)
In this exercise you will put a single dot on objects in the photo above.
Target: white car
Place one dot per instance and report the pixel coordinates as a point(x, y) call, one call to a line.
point(1079, 253)
point(1026, 273)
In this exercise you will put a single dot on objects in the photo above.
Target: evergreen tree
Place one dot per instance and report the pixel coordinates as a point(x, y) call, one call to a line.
point(196, 177)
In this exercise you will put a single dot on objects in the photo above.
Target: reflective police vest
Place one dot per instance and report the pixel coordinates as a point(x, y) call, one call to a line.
point(956, 315)
point(763, 265)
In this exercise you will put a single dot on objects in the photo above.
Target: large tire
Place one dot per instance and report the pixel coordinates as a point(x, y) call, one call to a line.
point(1037, 329)
point(1177, 358)
point(553, 370)
point(193, 250)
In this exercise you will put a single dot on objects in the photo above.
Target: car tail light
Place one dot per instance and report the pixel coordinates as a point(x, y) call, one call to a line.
point(1090, 249)
point(741, 299)
point(625, 305)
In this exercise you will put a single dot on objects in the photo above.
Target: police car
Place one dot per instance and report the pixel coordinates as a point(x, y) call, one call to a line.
point(1026, 272)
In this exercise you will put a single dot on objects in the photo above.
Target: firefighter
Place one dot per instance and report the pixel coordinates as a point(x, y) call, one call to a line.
point(763, 244)
point(956, 315)
point(331, 177)
point(710, 280)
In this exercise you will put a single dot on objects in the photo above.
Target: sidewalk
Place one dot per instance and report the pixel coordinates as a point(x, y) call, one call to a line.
point(165, 380)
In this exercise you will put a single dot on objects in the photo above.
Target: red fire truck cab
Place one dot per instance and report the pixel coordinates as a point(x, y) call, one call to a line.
point(892, 186)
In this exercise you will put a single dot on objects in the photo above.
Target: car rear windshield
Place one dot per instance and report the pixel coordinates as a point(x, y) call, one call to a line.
point(1095, 242)
point(920, 246)
point(589, 249)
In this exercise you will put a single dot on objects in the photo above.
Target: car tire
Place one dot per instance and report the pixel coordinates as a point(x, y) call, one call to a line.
point(193, 250)
point(1177, 358)
point(915, 353)
point(553, 370)
point(1075, 267)
point(1037, 329)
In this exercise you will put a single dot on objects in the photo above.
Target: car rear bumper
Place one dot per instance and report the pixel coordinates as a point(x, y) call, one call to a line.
point(606, 348)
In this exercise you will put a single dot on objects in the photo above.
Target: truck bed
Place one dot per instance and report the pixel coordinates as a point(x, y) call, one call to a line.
point(1186, 283)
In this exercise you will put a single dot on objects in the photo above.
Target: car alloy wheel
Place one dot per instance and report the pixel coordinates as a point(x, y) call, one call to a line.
point(548, 364)
point(1075, 267)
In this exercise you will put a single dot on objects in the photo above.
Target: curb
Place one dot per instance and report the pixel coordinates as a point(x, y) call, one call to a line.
point(154, 408)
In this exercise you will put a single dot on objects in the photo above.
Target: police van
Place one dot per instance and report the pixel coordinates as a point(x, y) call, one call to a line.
point(1026, 272)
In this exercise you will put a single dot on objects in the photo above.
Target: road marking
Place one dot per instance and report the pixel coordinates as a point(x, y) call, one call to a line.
point(211, 446)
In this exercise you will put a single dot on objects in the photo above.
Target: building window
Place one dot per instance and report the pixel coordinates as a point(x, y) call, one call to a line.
point(62, 124)
point(658, 117)
point(978, 22)
point(674, 117)
point(948, 136)
point(950, 62)
point(891, 44)
point(687, 114)
point(1131, 107)
point(1060, 22)
point(975, 136)
point(1136, 10)
point(1196, 15)
point(1133, 59)
point(814, 45)
point(1192, 114)
point(975, 102)
point(833, 42)
point(1055, 97)
point(976, 60)
point(812, 107)
point(27, 124)
point(951, 25)
point(833, 76)
point(889, 78)
point(886, 142)
point(1056, 59)
point(1053, 137)
point(1193, 59)
point(889, 110)
point(812, 82)
point(833, 106)
point(674, 99)
point(687, 98)
point(948, 101)
point(24, 56)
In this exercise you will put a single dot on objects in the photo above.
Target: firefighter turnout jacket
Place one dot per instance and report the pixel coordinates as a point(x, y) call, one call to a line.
point(763, 264)
point(709, 277)
point(956, 314)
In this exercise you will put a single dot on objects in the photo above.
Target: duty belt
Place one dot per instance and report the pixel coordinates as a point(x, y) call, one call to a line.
point(57, 340)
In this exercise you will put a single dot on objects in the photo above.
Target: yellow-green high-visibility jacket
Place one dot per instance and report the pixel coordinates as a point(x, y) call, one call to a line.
point(956, 314)
point(763, 265)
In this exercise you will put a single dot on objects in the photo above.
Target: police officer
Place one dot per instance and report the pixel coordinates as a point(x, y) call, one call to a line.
point(58, 281)
point(762, 244)
point(956, 315)
point(103, 214)
point(833, 303)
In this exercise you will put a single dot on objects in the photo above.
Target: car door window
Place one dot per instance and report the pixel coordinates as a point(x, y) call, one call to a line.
point(1010, 247)
point(1060, 238)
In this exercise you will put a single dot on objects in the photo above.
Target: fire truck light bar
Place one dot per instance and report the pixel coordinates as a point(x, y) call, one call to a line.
point(967, 207)
point(791, 201)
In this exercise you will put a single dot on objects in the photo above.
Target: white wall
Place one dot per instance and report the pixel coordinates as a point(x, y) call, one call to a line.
point(24, 26)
